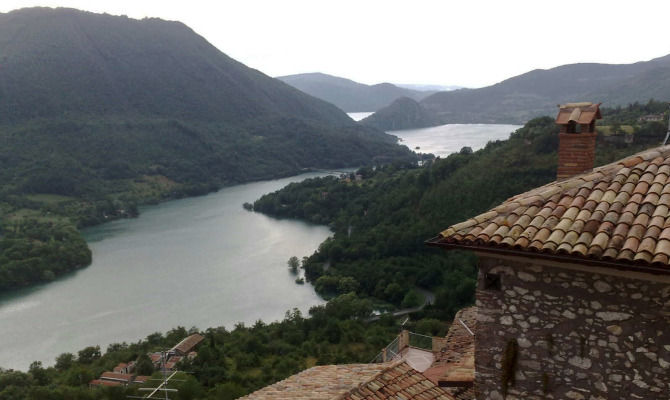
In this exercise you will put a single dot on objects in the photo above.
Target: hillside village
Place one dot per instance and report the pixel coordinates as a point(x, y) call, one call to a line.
point(124, 373)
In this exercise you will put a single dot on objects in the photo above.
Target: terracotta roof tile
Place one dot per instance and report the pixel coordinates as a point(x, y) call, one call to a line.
point(395, 380)
point(618, 212)
point(115, 376)
point(188, 343)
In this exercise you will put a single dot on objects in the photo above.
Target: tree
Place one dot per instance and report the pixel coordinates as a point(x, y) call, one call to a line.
point(144, 365)
point(293, 264)
point(39, 374)
point(89, 354)
point(466, 150)
point(64, 361)
point(347, 284)
point(411, 299)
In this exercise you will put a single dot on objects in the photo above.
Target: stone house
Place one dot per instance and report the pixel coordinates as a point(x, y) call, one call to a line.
point(573, 291)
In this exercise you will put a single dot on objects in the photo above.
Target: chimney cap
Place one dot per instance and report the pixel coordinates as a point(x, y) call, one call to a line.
point(581, 113)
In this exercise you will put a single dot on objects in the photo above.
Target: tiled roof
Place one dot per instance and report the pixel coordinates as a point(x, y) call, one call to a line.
point(354, 382)
point(618, 213)
point(320, 382)
point(398, 382)
point(141, 379)
point(100, 382)
point(581, 113)
point(454, 366)
point(120, 367)
point(188, 343)
point(116, 376)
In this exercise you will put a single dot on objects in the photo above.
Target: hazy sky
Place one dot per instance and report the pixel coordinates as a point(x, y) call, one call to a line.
point(465, 42)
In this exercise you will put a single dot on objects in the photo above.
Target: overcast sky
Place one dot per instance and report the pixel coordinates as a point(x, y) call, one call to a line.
point(466, 42)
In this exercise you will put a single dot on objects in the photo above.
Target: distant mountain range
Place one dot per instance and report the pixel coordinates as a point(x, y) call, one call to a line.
point(403, 113)
point(537, 92)
point(514, 100)
point(351, 96)
point(429, 88)
point(87, 99)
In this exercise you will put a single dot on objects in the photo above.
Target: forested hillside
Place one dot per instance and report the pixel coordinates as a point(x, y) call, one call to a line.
point(535, 93)
point(403, 113)
point(382, 220)
point(100, 113)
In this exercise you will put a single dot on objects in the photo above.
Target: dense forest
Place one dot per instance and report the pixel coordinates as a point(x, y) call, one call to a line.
point(100, 113)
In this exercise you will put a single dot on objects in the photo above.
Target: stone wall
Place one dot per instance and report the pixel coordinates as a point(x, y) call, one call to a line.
point(578, 335)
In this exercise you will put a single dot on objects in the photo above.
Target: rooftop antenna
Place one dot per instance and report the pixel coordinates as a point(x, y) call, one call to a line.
point(667, 133)
point(162, 387)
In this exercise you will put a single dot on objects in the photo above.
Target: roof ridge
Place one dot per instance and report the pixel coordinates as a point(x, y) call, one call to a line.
point(391, 364)
point(546, 191)
point(617, 214)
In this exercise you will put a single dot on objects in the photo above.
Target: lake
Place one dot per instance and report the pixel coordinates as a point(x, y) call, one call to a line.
point(357, 116)
point(446, 139)
point(202, 261)
point(450, 138)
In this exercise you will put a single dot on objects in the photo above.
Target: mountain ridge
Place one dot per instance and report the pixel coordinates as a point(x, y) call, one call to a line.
point(403, 113)
point(194, 112)
point(96, 54)
point(348, 95)
point(535, 93)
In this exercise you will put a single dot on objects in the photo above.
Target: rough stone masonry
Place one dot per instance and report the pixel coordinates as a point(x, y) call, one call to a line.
point(574, 333)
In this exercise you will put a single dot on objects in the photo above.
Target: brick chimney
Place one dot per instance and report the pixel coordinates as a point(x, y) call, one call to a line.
point(577, 138)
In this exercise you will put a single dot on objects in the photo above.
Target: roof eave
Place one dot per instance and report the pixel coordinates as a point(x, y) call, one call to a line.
point(438, 241)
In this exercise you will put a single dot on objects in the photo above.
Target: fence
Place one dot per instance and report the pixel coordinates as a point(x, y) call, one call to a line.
point(420, 341)
point(389, 353)
point(404, 340)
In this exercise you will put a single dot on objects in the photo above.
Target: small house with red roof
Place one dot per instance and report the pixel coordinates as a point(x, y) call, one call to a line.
point(573, 294)
point(187, 345)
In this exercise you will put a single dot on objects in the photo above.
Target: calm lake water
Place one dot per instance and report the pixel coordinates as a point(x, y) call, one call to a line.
point(446, 139)
point(202, 261)
point(357, 116)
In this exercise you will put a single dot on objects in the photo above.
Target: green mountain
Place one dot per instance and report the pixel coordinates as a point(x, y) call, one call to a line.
point(403, 113)
point(348, 95)
point(537, 92)
point(116, 97)
point(100, 113)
